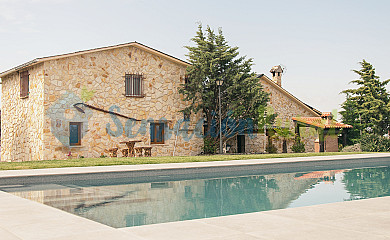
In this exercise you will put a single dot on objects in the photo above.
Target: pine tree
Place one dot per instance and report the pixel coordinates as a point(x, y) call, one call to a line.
point(369, 103)
point(242, 96)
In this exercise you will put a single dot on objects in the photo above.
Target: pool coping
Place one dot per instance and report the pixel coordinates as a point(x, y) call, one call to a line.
point(172, 166)
point(25, 219)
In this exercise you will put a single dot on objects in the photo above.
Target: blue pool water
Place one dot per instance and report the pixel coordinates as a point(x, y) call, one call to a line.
point(134, 204)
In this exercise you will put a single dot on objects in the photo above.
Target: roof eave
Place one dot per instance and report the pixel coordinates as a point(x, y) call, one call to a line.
point(54, 57)
point(19, 67)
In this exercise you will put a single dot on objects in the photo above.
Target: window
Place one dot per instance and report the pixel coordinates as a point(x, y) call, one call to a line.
point(134, 85)
point(157, 133)
point(75, 134)
point(24, 84)
point(186, 116)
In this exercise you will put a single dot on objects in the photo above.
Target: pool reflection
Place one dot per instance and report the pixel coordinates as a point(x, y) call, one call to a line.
point(128, 205)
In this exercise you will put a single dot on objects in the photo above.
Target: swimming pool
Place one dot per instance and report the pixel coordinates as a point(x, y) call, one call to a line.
point(126, 203)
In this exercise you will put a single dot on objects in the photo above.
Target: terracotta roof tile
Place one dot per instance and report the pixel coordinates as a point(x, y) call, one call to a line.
point(321, 122)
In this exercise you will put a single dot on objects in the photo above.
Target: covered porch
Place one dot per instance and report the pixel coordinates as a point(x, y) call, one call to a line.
point(328, 129)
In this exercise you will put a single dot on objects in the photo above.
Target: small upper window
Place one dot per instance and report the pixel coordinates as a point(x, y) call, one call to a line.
point(134, 85)
point(24, 84)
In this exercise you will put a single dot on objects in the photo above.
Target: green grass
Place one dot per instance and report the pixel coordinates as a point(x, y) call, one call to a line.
point(85, 162)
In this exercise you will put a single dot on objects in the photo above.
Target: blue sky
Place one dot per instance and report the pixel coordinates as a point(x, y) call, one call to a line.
point(319, 42)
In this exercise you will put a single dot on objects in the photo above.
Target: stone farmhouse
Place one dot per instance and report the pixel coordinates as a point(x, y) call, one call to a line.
point(58, 106)
point(90, 103)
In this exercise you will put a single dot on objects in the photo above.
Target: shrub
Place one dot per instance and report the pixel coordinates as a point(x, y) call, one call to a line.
point(353, 148)
point(210, 145)
point(298, 147)
point(371, 142)
point(271, 148)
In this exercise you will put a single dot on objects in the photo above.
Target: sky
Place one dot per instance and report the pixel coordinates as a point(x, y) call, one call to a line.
point(319, 42)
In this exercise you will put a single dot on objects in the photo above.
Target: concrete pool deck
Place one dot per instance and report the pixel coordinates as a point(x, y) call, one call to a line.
point(362, 219)
point(188, 165)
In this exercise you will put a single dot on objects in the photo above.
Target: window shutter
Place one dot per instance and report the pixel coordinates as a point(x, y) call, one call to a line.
point(24, 83)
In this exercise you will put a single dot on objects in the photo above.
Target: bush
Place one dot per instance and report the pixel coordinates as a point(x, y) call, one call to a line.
point(374, 143)
point(210, 145)
point(271, 148)
point(353, 148)
point(298, 147)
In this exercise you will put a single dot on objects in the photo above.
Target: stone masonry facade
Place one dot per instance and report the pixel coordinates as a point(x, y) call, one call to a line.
point(23, 118)
point(286, 108)
point(37, 127)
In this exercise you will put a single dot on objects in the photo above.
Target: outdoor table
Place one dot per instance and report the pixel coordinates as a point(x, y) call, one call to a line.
point(130, 145)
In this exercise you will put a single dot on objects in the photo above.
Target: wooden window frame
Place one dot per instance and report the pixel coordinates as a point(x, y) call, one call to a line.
point(153, 125)
point(24, 78)
point(134, 85)
point(187, 116)
point(79, 133)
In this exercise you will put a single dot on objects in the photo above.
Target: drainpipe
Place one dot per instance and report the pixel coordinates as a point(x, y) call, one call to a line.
point(177, 133)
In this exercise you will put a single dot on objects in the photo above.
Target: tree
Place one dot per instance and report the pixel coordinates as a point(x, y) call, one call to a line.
point(368, 104)
point(350, 115)
point(243, 100)
point(284, 134)
point(368, 182)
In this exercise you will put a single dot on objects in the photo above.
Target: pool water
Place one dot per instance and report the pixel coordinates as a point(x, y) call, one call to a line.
point(135, 204)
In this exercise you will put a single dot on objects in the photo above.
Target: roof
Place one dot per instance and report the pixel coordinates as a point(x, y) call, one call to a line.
point(135, 44)
point(308, 107)
point(321, 122)
point(320, 174)
point(326, 114)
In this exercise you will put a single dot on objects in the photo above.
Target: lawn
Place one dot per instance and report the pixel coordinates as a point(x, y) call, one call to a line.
point(85, 162)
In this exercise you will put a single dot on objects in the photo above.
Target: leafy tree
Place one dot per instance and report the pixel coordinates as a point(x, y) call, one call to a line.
point(374, 143)
point(350, 115)
point(370, 101)
point(242, 98)
point(368, 182)
point(284, 134)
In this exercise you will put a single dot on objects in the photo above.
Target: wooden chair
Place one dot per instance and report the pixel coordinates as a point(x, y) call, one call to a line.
point(125, 152)
point(138, 151)
point(113, 152)
point(148, 151)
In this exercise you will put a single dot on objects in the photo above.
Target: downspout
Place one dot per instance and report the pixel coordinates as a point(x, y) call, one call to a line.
point(177, 133)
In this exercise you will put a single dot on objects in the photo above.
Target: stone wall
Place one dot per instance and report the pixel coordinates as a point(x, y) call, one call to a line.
point(286, 108)
point(254, 143)
point(98, 79)
point(22, 118)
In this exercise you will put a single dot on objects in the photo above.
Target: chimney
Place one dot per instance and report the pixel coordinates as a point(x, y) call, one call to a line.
point(327, 116)
point(277, 74)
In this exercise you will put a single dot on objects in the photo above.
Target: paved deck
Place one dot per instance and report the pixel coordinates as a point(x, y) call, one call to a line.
point(363, 219)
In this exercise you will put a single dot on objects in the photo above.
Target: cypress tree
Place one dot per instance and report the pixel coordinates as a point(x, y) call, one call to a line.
point(242, 96)
point(369, 103)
